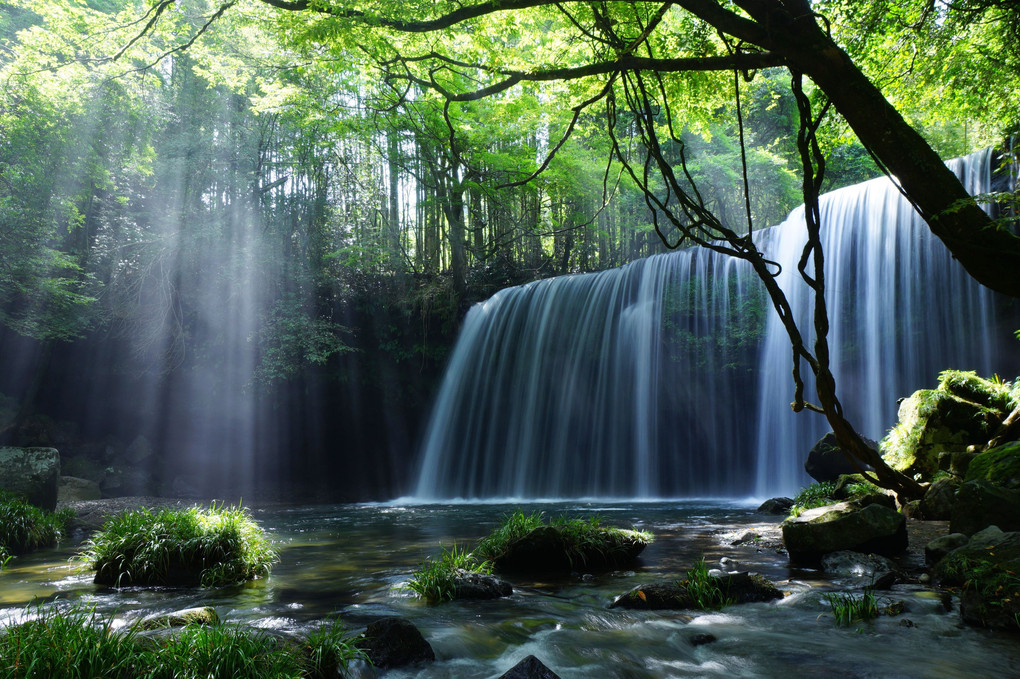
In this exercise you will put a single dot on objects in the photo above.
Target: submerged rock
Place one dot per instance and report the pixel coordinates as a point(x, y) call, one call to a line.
point(739, 588)
point(842, 527)
point(870, 567)
point(529, 668)
point(205, 615)
point(31, 472)
point(395, 642)
point(980, 504)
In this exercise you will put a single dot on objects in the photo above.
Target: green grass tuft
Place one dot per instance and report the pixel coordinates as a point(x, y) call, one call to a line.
point(199, 652)
point(703, 590)
point(848, 607)
point(25, 527)
point(435, 579)
point(330, 650)
point(207, 547)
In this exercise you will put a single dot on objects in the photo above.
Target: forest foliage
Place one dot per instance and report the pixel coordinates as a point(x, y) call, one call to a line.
point(162, 162)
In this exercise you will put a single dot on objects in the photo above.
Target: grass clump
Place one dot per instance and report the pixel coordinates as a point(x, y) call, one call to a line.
point(208, 547)
point(848, 607)
point(703, 590)
point(582, 540)
point(25, 527)
point(330, 650)
point(435, 580)
point(73, 644)
point(815, 495)
point(76, 643)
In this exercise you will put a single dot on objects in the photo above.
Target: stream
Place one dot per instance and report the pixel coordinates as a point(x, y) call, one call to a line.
point(351, 561)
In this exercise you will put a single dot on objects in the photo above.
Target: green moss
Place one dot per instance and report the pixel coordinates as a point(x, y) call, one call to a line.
point(966, 384)
point(207, 547)
point(25, 528)
point(815, 495)
point(1000, 465)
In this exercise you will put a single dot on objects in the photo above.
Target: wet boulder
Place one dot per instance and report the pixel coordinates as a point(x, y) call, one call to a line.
point(869, 568)
point(843, 527)
point(826, 461)
point(736, 588)
point(980, 503)
point(468, 585)
point(31, 472)
point(985, 571)
point(529, 668)
point(395, 642)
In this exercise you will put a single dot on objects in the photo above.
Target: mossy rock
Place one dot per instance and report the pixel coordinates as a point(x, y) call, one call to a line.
point(205, 615)
point(549, 550)
point(736, 588)
point(966, 384)
point(1000, 466)
point(933, 422)
point(843, 527)
point(985, 570)
point(980, 503)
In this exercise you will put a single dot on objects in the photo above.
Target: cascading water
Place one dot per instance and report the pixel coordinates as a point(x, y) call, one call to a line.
point(670, 376)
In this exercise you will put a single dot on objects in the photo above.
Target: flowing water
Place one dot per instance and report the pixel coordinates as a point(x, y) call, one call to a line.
point(670, 377)
point(351, 560)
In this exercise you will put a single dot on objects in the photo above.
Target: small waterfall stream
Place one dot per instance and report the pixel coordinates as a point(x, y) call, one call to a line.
point(670, 376)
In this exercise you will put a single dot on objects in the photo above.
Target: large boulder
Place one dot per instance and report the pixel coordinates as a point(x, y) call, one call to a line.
point(964, 410)
point(776, 505)
point(395, 642)
point(980, 504)
point(529, 668)
point(826, 461)
point(937, 503)
point(985, 569)
point(74, 489)
point(31, 472)
point(740, 588)
point(843, 527)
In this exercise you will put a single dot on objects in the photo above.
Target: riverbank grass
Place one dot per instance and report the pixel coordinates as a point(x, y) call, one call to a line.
point(25, 528)
point(190, 547)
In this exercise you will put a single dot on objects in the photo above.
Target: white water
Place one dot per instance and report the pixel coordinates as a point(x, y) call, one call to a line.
point(650, 380)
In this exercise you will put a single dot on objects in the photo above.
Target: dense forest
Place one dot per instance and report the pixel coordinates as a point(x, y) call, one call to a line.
point(248, 231)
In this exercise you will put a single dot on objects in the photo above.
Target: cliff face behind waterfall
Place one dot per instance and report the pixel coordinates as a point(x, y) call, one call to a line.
point(670, 376)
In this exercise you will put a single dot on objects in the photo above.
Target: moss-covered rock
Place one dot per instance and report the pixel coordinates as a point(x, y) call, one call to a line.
point(979, 504)
point(840, 527)
point(33, 473)
point(733, 588)
point(962, 411)
point(986, 572)
point(1000, 466)
point(205, 615)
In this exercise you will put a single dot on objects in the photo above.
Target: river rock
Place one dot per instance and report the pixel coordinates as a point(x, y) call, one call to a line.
point(126, 481)
point(395, 642)
point(742, 588)
point(74, 489)
point(937, 549)
point(468, 585)
point(870, 567)
point(826, 460)
point(529, 668)
point(842, 527)
point(985, 568)
point(937, 503)
point(205, 615)
point(980, 504)
point(776, 505)
point(31, 472)
point(545, 552)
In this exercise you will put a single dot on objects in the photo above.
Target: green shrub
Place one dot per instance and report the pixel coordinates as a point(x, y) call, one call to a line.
point(207, 547)
point(73, 644)
point(435, 579)
point(330, 650)
point(25, 527)
point(848, 607)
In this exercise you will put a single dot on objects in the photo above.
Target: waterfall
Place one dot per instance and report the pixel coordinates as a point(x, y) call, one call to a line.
point(671, 376)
